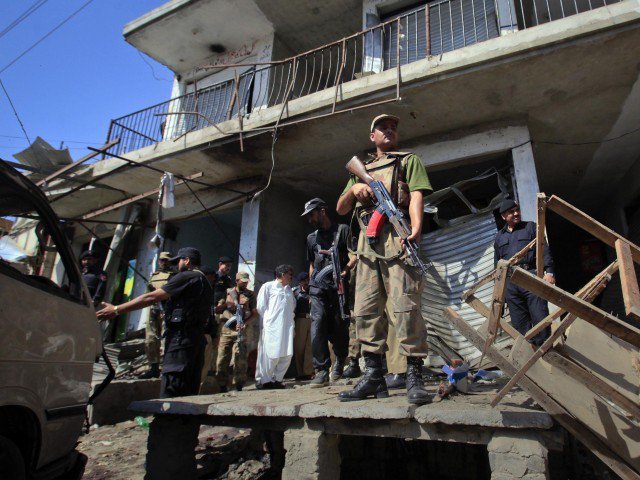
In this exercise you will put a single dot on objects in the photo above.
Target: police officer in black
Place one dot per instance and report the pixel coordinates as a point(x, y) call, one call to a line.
point(188, 305)
point(327, 324)
point(525, 308)
point(223, 283)
point(93, 276)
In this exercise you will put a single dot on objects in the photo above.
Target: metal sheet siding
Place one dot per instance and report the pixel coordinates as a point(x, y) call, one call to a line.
point(461, 255)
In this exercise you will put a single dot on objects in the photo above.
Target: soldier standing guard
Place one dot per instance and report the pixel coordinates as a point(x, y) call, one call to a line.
point(94, 277)
point(153, 329)
point(231, 346)
point(383, 271)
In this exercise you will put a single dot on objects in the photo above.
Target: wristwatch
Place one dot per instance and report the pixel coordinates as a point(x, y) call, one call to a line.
point(115, 309)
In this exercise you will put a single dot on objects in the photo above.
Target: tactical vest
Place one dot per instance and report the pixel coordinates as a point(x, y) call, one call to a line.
point(391, 170)
point(159, 279)
point(183, 316)
point(247, 294)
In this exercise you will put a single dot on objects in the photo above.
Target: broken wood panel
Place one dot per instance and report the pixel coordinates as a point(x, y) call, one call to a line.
point(597, 386)
point(604, 420)
point(588, 293)
point(614, 361)
point(475, 303)
point(577, 306)
point(589, 224)
point(628, 279)
point(598, 447)
point(540, 226)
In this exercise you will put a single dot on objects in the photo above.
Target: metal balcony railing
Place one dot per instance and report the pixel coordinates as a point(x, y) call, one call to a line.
point(438, 27)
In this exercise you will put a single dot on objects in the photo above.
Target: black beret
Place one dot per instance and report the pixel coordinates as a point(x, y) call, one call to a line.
point(507, 204)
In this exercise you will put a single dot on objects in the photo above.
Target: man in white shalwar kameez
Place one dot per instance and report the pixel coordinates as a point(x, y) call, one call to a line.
point(276, 306)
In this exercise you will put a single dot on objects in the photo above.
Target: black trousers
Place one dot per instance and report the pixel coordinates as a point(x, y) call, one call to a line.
point(182, 366)
point(526, 310)
point(327, 325)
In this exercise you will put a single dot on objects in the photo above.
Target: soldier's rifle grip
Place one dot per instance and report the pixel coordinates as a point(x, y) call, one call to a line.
point(356, 167)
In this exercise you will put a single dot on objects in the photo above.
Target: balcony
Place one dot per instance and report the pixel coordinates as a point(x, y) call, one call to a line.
point(431, 30)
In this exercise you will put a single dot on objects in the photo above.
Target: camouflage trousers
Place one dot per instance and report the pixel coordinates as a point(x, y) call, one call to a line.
point(395, 284)
point(228, 353)
point(396, 363)
point(153, 335)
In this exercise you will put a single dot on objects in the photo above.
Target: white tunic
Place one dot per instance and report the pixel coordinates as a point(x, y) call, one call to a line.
point(276, 306)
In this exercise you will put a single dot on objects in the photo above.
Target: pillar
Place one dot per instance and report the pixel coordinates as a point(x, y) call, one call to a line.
point(526, 180)
point(171, 447)
point(518, 455)
point(249, 239)
point(311, 454)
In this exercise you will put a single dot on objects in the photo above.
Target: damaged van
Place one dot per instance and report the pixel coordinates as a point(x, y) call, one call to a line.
point(49, 338)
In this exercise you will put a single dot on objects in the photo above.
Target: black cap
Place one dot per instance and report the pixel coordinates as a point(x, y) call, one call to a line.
point(302, 276)
point(312, 204)
point(224, 259)
point(187, 252)
point(207, 270)
point(507, 204)
point(88, 253)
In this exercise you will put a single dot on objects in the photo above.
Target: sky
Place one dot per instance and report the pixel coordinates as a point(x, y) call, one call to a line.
point(71, 85)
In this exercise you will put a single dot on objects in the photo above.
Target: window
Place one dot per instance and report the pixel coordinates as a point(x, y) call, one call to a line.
point(28, 250)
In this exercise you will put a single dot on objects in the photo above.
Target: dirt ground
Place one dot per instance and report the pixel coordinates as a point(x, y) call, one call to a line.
point(117, 452)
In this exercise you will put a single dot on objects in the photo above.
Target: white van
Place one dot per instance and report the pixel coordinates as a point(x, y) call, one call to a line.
point(49, 338)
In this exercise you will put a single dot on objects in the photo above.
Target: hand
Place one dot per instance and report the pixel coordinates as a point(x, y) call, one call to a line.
point(362, 192)
point(415, 234)
point(344, 273)
point(107, 312)
point(549, 278)
point(240, 327)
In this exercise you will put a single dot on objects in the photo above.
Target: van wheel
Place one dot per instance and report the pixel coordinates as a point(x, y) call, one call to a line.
point(11, 461)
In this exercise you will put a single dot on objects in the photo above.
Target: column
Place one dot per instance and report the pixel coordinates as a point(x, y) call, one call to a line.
point(171, 447)
point(526, 180)
point(249, 239)
point(518, 454)
point(311, 455)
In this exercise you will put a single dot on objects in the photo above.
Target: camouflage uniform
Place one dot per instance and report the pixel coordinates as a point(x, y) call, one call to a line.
point(228, 348)
point(153, 330)
point(384, 274)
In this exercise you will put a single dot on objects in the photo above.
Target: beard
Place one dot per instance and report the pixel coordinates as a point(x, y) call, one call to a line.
point(183, 268)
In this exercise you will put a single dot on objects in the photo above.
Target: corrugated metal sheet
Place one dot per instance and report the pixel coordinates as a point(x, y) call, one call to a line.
point(461, 255)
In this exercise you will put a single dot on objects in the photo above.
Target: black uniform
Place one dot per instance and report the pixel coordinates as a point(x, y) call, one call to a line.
point(525, 308)
point(96, 281)
point(326, 321)
point(186, 314)
point(303, 305)
point(223, 283)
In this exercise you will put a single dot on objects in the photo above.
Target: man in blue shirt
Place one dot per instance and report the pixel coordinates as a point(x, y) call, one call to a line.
point(525, 308)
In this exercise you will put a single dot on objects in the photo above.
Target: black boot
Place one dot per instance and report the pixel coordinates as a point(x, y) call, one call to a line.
point(153, 372)
point(396, 380)
point(372, 384)
point(353, 370)
point(416, 392)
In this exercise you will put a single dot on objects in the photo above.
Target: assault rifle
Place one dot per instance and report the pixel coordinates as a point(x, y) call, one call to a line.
point(233, 322)
point(335, 269)
point(385, 210)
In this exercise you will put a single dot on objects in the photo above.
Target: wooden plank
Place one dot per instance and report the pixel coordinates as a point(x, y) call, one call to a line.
point(497, 304)
point(582, 293)
point(577, 306)
point(135, 198)
point(597, 386)
point(540, 228)
point(628, 279)
point(475, 303)
point(589, 224)
point(614, 361)
point(605, 420)
point(77, 163)
point(559, 413)
point(474, 288)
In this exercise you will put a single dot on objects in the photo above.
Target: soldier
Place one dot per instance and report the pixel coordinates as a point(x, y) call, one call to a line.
point(383, 271)
point(95, 278)
point(222, 283)
point(207, 381)
point(188, 305)
point(153, 330)
point(327, 324)
point(302, 339)
point(353, 369)
point(525, 308)
point(230, 347)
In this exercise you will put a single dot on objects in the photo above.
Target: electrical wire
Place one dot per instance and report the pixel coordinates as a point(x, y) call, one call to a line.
point(15, 111)
point(22, 17)
point(45, 36)
point(57, 140)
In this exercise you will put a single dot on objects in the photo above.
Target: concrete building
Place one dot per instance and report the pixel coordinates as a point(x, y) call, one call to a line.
point(542, 95)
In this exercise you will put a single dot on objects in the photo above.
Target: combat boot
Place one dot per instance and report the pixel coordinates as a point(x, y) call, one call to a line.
point(372, 384)
point(416, 393)
point(320, 380)
point(353, 370)
point(337, 370)
point(396, 380)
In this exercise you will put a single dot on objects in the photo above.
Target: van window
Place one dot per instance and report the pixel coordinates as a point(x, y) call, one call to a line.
point(28, 250)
